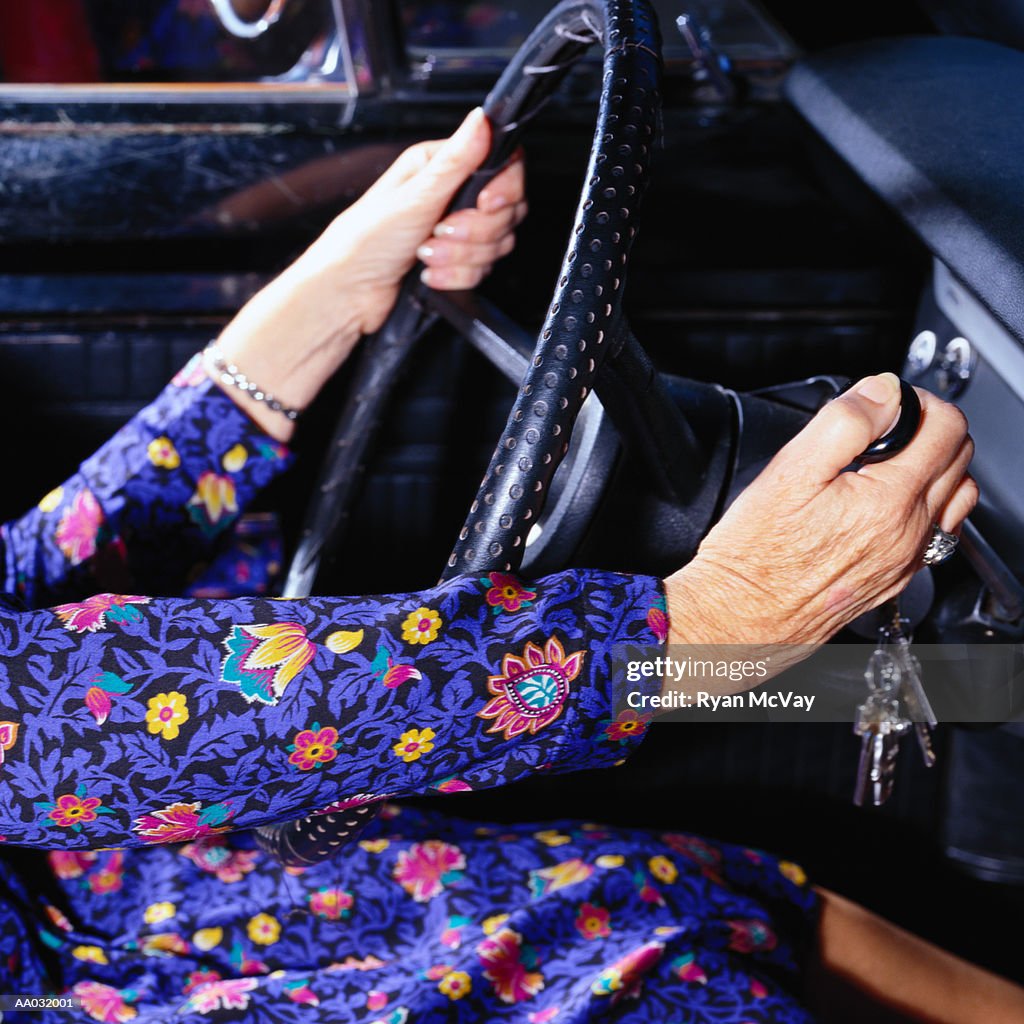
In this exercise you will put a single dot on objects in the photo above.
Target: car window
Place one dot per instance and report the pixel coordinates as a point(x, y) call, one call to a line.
point(454, 30)
point(143, 41)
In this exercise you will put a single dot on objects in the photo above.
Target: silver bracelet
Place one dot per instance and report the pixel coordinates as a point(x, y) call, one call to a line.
point(232, 376)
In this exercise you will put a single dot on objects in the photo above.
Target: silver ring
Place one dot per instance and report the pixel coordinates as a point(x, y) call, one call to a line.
point(940, 546)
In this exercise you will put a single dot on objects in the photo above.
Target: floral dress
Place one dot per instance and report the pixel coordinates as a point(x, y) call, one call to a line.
point(142, 738)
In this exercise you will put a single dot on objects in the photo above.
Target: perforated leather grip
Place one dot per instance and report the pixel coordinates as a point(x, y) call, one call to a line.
point(581, 322)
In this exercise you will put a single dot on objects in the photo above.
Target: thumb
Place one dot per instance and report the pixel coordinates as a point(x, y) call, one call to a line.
point(455, 159)
point(841, 431)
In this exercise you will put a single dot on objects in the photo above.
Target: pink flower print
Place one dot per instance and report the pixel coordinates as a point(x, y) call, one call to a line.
point(687, 969)
point(625, 977)
point(657, 622)
point(332, 904)
point(532, 689)
point(192, 374)
point(751, 935)
point(108, 878)
point(424, 868)
point(105, 1003)
point(181, 822)
point(502, 957)
point(313, 748)
point(506, 593)
point(71, 863)
point(79, 527)
point(212, 855)
point(91, 614)
point(227, 993)
point(592, 921)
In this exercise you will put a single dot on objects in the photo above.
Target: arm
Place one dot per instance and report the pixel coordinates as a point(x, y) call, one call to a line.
point(156, 499)
point(130, 721)
point(150, 505)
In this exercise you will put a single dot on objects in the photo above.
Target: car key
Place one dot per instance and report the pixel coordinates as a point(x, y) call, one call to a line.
point(892, 671)
point(912, 694)
point(880, 725)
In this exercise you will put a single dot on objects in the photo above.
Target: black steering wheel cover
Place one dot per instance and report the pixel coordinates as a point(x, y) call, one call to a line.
point(582, 321)
point(581, 328)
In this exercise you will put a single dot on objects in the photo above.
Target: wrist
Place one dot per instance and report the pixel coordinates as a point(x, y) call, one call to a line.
point(709, 604)
point(289, 338)
point(716, 614)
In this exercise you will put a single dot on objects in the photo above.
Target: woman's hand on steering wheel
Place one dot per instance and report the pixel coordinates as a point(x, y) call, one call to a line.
point(399, 220)
point(295, 333)
point(806, 548)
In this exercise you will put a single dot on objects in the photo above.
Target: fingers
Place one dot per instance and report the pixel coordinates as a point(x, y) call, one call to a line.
point(457, 278)
point(934, 450)
point(440, 252)
point(467, 244)
point(939, 492)
point(960, 505)
point(450, 163)
point(480, 226)
point(506, 189)
point(838, 434)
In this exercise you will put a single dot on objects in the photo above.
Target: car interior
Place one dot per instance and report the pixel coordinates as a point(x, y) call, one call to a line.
point(833, 191)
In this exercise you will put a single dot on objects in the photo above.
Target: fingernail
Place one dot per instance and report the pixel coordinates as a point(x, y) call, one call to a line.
point(427, 277)
point(424, 252)
point(489, 203)
point(472, 121)
point(879, 389)
point(444, 231)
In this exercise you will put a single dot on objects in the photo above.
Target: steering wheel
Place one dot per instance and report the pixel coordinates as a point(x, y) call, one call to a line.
point(241, 27)
point(584, 346)
point(558, 370)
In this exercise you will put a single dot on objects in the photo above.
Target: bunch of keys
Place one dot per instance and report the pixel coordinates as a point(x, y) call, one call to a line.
point(896, 703)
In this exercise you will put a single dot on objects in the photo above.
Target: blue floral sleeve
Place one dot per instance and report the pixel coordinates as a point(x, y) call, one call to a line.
point(152, 505)
point(127, 720)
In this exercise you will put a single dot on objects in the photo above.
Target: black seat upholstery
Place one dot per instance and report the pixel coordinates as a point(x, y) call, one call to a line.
point(936, 127)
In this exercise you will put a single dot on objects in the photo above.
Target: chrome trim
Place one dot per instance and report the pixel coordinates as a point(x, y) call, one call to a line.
point(242, 29)
point(196, 95)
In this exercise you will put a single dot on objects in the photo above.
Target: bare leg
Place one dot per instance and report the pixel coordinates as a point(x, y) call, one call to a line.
point(869, 970)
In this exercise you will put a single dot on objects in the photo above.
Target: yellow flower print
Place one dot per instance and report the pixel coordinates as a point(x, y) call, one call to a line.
point(92, 954)
point(793, 872)
point(235, 459)
point(206, 938)
point(264, 929)
point(663, 869)
point(455, 985)
point(52, 501)
point(414, 743)
point(374, 845)
point(214, 504)
point(551, 837)
point(163, 454)
point(167, 711)
point(610, 860)
point(164, 944)
point(421, 626)
point(492, 924)
point(157, 912)
point(344, 641)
